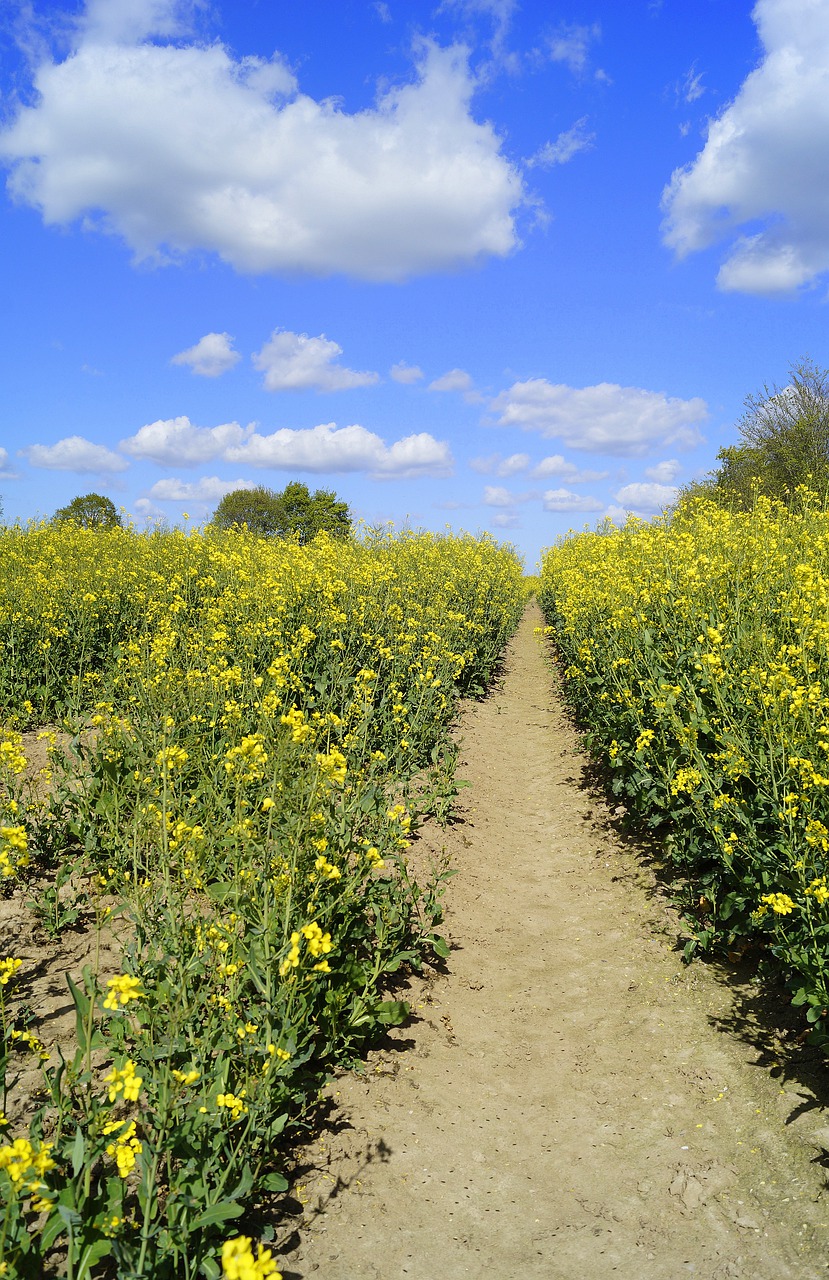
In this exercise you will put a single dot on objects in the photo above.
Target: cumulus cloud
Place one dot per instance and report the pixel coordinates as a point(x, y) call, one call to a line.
point(183, 146)
point(765, 163)
point(605, 418)
point(566, 145)
point(454, 380)
point(295, 362)
point(207, 489)
point(646, 497)
point(557, 465)
point(124, 21)
point(567, 500)
point(506, 520)
point(74, 453)
point(495, 464)
point(177, 442)
point(497, 496)
point(341, 449)
point(7, 471)
point(211, 356)
point(664, 472)
point(406, 373)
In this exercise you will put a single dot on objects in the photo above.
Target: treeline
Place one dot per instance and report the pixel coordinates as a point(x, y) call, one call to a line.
point(293, 512)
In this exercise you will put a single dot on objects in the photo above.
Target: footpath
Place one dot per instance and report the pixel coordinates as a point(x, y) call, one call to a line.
point(571, 1102)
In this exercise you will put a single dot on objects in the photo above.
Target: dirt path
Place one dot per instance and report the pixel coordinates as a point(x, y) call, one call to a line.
point(567, 1104)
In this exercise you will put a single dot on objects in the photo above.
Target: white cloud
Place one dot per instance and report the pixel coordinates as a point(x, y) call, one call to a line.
point(506, 520)
point(180, 147)
point(556, 465)
point(207, 489)
point(646, 497)
point(7, 471)
point(766, 162)
point(293, 362)
point(571, 45)
point(495, 464)
point(74, 453)
point(341, 449)
point(513, 465)
point(406, 373)
point(497, 496)
point(692, 86)
point(123, 21)
point(177, 442)
point(664, 472)
point(454, 380)
point(147, 510)
point(211, 356)
point(567, 500)
point(566, 145)
point(605, 418)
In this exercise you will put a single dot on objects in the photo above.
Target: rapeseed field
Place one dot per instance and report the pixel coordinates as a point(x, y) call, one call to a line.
point(243, 735)
point(696, 651)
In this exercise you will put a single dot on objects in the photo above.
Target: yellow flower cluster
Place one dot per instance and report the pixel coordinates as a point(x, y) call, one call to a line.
point(8, 968)
point(126, 1147)
point(14, 852)
point(239, 1263)
point(121, 990)
point(26, 1164)
point(317, 943)
point(124, 1081)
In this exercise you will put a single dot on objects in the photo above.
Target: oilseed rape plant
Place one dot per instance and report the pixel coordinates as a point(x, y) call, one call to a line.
point(256, 730)
point(696, 651)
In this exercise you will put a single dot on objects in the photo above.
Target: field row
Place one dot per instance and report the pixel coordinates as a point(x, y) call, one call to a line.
point(257, 728)
point(697, 656)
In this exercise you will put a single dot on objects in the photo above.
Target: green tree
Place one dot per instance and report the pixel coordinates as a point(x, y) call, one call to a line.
point(787, 431)
point(91, 511)
point(784, 443)
point(257, 508)
point(293, 512)
point(305, 514)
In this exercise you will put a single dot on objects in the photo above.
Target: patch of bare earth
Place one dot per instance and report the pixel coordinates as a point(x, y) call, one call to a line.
point(570, 1100)
point(55, 934)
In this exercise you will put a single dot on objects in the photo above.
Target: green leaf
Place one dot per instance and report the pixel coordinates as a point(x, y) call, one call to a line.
point(274, 1182)
point(81, 1002)
point(210, 1269)
point(440, 946)
point(53, 1227)
point(392, 1013)
point(221, 1212)
point(78, 1151)
point(91, 1254)
point(219, 890)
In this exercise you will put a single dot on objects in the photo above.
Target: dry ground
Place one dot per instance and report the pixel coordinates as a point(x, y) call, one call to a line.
point(570, 1100)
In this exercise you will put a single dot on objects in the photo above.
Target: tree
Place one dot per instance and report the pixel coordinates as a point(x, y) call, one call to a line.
point(787, 431)
point(294, 512)
point(91, 511)
point(305, 514)
point(784, 443)
point(257, 508)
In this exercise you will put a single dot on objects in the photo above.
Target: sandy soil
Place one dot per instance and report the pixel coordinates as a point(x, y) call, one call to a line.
point(570, 1100)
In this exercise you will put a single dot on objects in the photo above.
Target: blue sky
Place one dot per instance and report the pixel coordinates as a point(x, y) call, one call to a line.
point(496, 265)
